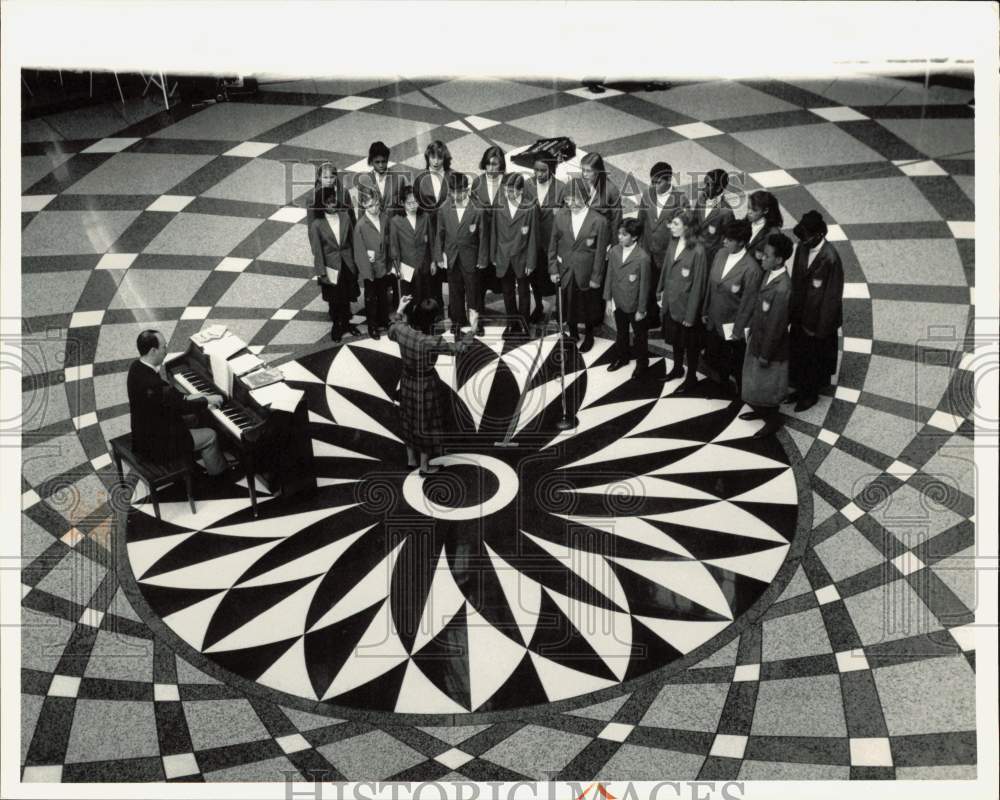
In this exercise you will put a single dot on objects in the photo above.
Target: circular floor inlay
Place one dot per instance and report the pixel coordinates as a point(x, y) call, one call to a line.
point(537, 566)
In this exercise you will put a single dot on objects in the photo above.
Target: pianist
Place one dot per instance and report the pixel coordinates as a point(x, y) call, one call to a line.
point(159, 431)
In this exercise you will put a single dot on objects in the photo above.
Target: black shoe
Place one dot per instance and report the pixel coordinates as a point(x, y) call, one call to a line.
point(769, 429)
point(674, 374)
point(373, 332)
point(793, 397)
point(536, 316)
point(805, 403)
point(616, 364)
point(639, 373)
point(688, 387)
point(336, 334)
point(735, 405)
point(751, 415)
point(354, 331)
point(588, 342)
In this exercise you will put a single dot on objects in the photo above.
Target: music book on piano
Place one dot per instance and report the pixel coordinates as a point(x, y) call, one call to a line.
point(209, 334)
point(279, 396)
point(262, 377)
point(245, 363)
point(226, 347)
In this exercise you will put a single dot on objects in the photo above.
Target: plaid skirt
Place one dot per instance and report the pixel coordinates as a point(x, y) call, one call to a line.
point(422, 401)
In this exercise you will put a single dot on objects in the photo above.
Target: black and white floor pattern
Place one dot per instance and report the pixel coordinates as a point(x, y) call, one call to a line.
point(538, 566)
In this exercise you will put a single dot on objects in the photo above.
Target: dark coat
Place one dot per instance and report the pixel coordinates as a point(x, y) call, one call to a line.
point(682, 282)
point(727, 299)
point(710, 227)
point(466, 244)
point(769, 322)
point(369, 239)
point(389, 200)
point(609, 205)
point(756, 244)
point(630, 283)
point(513, 239)
point(327, 251)
point(410, 246)
point(157, 411)
point(547, 210)
point(818, 292)
point(656, 226)
point(480, 193)
point(581, 256)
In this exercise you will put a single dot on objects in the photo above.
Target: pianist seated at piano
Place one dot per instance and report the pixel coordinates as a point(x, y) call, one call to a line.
point(159, 431)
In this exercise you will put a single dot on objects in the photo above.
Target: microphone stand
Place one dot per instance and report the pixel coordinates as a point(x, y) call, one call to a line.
point(566, 422)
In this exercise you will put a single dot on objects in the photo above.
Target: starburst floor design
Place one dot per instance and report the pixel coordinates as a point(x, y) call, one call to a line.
point(556, 566)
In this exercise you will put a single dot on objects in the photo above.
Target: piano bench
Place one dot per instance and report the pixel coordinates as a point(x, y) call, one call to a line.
point(155, 476)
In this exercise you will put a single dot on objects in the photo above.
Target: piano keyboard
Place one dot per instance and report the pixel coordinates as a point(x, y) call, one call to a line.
point(229, 416)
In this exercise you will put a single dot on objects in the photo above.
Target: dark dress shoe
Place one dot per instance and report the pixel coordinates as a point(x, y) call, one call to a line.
point(793, 397)
point(373, 332)
point(769, 429)
point(639, 373)
point(751, 415)
point(354, 331)
point(616, 364)
point(735, 405)
point(688, 387)
point(674, 374)
point(336, 334)
point(588, 342)
point(805, 403)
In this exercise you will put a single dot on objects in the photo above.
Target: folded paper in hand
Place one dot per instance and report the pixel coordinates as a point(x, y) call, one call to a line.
point(727, 329)
point(332, 275)
point(405, 271)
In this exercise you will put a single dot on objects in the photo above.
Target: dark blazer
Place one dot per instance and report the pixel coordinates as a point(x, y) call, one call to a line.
point(581, 256)
point(629, 283)
point(157, 408)
point(818, 292)
point(410, 246)
point(481, 195)
point(387, 201)
point(423, 188)
point(710, 227)
point(547, 210)
point(682, 282)
point(769, 323)
point(656, 226)
point(327, 251)
point(756, 244)
point(609, 206)
point(376, 240)
point(726, 298)
point(467, 243)
point(513, 239)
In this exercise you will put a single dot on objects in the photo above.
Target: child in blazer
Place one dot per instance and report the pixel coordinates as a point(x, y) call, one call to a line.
point(513, 247)
point(682, 287)
point(660, 204)
point(462, 248)
point(410, 247)
point(628, 286)
point(547, 192)
point(713, 212)
point(732, 283)
point(765, 366)
point(329, 230)
point(576, 259)
point(371, 254)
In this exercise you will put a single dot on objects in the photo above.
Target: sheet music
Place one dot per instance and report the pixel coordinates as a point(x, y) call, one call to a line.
point(226, 347)
point(727, 329)
point(244, 364)
point(222, 374)
point(279, 396)
point(406, 271)
point(332, 275)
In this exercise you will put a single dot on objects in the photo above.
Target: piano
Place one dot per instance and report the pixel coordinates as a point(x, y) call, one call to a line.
point(272, 445)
